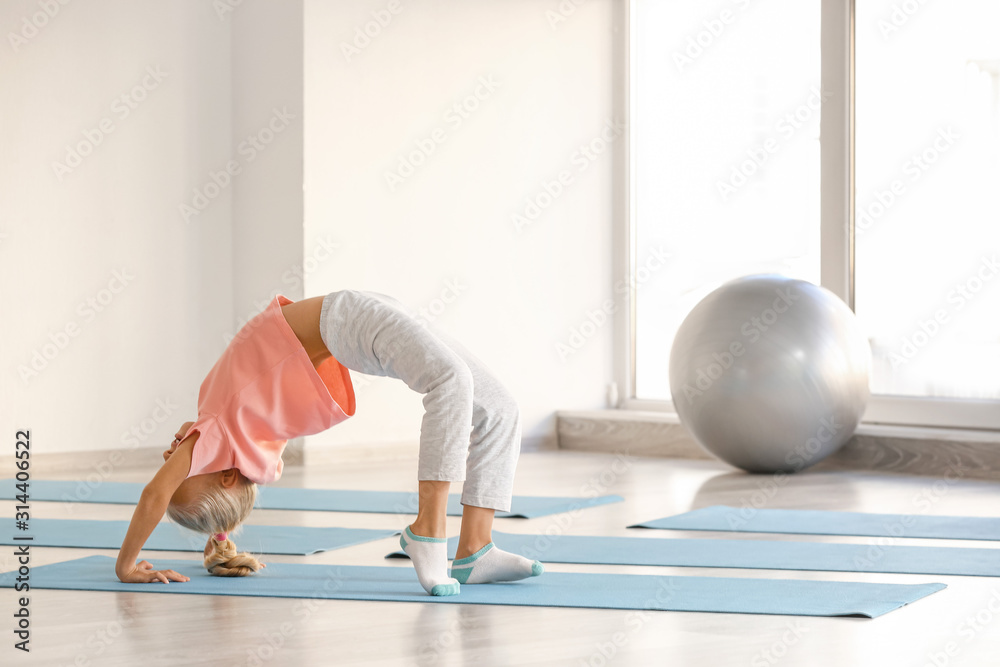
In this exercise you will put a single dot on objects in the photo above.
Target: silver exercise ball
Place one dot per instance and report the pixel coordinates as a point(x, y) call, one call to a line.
point(770, 373)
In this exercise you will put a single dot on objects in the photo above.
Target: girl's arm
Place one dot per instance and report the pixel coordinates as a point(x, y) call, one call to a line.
point(152, 505)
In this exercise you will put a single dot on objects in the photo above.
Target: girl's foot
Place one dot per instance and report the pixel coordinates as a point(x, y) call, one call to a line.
point(430, 560)
point(491, 565)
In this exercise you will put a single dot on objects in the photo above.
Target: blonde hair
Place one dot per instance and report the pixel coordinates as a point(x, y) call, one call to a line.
point(221, 510)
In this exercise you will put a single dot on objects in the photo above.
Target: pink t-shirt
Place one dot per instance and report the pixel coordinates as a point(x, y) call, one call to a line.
point(263, 390)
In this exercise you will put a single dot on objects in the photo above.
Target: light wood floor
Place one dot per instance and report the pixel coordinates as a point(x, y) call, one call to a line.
point(148, 629)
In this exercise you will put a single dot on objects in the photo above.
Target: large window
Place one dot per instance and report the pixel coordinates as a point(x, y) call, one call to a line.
point(928, 196)
point(727, 171)
point(726, 155)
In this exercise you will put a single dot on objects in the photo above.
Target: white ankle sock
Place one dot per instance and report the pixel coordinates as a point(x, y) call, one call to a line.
point(490, 565)
point(430, 560)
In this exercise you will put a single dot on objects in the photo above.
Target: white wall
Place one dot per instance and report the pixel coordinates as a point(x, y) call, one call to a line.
point(267, 143)
point(451, 219)
point(196, 282)
point(63, 240)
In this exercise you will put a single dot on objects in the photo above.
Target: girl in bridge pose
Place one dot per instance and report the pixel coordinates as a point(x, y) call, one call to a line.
point(285, 375)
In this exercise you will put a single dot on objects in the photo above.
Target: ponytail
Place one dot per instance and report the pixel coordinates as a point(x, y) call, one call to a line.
point(222, 560)
point(217, 507)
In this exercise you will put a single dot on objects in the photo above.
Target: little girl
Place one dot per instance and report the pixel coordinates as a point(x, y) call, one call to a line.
point(285, 375)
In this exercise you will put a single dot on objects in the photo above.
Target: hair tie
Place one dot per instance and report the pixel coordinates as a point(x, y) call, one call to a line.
point(221, 537)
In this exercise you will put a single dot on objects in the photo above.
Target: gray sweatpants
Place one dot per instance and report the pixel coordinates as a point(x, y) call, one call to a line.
point(471, 429)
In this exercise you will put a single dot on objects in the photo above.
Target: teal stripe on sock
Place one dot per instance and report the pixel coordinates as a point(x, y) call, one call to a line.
point(461, 574)
point(420, 538)
point(473, 557)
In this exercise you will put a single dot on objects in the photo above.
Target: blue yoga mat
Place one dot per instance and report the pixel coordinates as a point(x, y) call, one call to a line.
point(94, 534)
point(819, 522)
point(746, 554)
point(552, 589)
point(283, 498)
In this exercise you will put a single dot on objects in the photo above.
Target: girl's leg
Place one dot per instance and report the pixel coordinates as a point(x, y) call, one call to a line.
point(470, 431)
point(375, 335)
point(494, 446)
point(425, 541)
point(477, 530)
point(431, 516)
point(494, 443)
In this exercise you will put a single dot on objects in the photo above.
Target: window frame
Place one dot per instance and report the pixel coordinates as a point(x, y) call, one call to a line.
point(837, 228)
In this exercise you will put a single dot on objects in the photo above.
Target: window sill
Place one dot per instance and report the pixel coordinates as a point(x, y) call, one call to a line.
point(875, 447)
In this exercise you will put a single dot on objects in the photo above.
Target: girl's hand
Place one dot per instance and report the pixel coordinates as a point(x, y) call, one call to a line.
point(177, 439)
point(143, 573)
point(183, 430)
